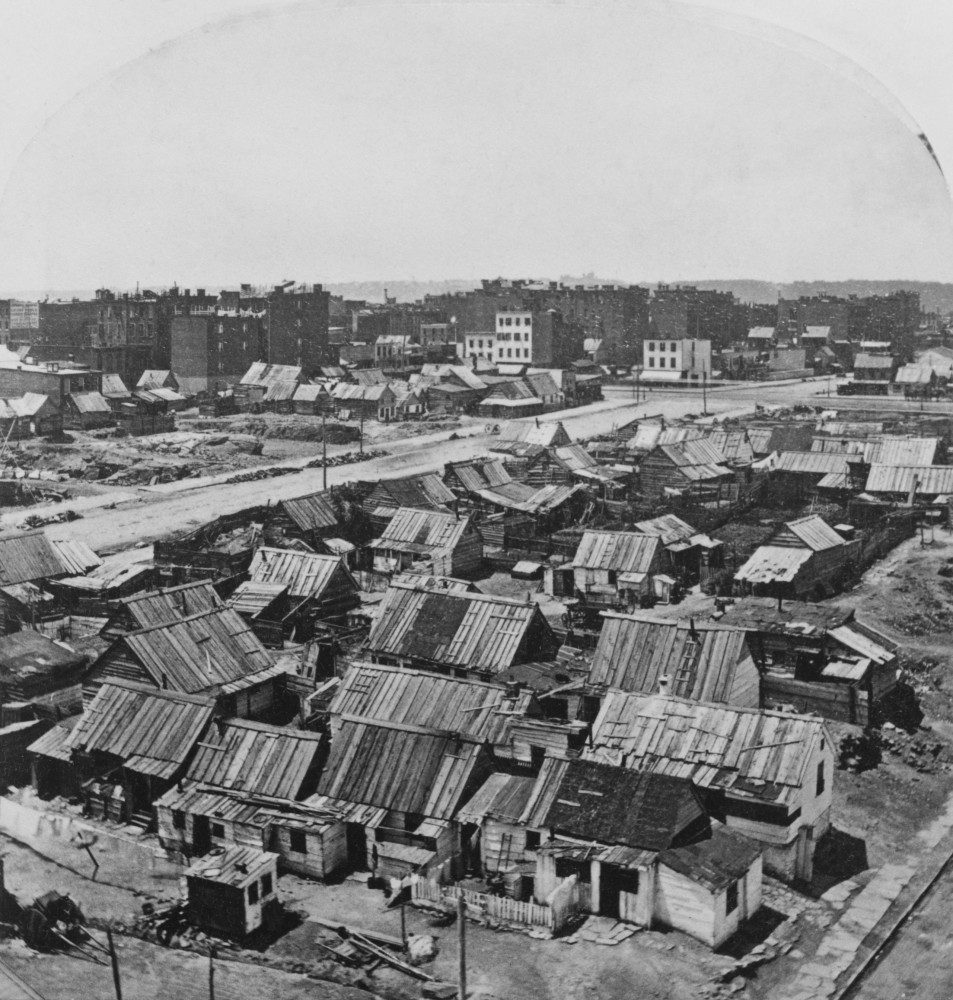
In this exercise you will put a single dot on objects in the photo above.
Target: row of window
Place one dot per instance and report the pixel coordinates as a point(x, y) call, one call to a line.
point(661, 362)
point(514, 321)
point(673, 346)
point(509, 352)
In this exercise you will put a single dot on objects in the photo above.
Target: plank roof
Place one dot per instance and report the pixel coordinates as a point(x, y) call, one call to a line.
point(152, 731)
point(667, 527)
point(635, 652)
point(930, 480)
point(811, 462)
point(199, 652)
point(735, 445)
point(169, 604)
point(815, 533)
point(423, 531)
point(424, 490)
point(695, 451)
point(524, 498)
point(480, 473)
point(263, 374)
point(773, 564)
point(305, 574)
point(716, 862)
point(423, 698)
point(612, 805)
point(407, 769)
point(574, 457)
point(476, 631)
point(32, 556)
point(761, 754)
point(311, 511)
point(617, 551)
point(257, 759)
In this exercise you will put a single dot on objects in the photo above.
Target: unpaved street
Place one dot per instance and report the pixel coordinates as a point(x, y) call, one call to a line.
point(113, 522)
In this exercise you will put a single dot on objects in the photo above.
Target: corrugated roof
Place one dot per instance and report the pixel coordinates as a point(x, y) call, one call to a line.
point(305, 574)
point(207, 649)
point(932, 480)
point(423, 698)
point(476, 631)
point(408, 769)
point(261, 374)
point(621, 551)
point(760, 754)
point(423, 530)
point(635, 651)
point(773, 564)
point(611, 805)
point(151, 731)
point(257, 759)
point(311, 511)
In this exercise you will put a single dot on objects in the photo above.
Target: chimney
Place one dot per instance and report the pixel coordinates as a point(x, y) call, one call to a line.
point(663, 683)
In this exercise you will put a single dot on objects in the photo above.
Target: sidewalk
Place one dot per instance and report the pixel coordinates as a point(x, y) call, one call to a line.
point(871, 915)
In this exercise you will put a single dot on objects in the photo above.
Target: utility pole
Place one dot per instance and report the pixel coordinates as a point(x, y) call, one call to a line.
point(324, 448)
point(363, 395)
point(704, 392)
point(114, 958)
point(211, 974)
point(461, 947)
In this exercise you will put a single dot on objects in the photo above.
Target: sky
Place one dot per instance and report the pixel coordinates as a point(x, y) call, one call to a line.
point(642, 142)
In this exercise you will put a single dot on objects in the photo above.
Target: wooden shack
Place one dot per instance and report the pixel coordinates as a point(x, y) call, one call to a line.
point(692, 466)
point(431, 540)
point(233, 891)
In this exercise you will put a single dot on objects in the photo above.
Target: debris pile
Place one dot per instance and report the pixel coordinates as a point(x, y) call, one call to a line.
point(860, 751)
point(348, 458)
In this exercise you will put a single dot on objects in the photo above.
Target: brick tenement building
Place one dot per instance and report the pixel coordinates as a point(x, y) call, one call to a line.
point(296, 328)
point(680, 312)
point(217, 347)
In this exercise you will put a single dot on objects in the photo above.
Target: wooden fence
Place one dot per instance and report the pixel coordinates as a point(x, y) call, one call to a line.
point(502, 908)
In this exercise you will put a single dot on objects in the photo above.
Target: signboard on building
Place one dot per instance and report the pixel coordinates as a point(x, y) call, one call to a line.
point(24, 315)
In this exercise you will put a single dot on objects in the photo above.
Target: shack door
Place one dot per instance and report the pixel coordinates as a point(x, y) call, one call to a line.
point(356, 847)
point(201, 836)
point(615, 881)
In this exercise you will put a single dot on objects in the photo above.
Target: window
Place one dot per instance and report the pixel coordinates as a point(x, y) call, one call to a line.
point(528, 321)
point(537, 755)
point(821, 784)
point(532, 840)
point(299, 842)
point(217, 830)
point(651, 362)
point(651, 345)
point(671, 347)
point(671, 363)
point(731, 898)
point(178, 819)
point(509, 352)
point(253, 893)
point(516, 321)
point(517, 335)
point(525, 352)
point(508, 321)
point(266, 886)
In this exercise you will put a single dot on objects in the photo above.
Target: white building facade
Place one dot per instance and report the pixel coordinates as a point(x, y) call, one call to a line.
point(682, 359)
point(514, 337)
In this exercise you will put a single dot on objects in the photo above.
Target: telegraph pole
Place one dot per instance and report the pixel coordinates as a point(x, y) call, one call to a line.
point(363, 395)
point(324, 448)
point(462, 946)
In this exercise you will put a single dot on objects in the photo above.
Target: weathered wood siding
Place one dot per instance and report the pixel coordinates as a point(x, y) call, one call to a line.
point(326, 852)
point(685, 905)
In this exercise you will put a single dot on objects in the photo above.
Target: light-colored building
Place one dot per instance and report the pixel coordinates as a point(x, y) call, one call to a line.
point(689, 358)
point(514, 336)
point(480, 345)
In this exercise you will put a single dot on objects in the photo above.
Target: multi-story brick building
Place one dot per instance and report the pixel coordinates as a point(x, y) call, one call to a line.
point(296, 328)
point(680, 312)
point(537, 337)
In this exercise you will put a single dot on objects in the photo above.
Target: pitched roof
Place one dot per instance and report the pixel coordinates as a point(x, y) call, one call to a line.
point(735, 445)
point(422, 531)
point(423, 698)
point(426, 771)
point(170, 604)
point(548, 433)
point(761, 333)
point(32, 556)
point(810, 462)
point(880, 362)
point(667, 527)
point(611, 805)
point(541, 384)
point(815, 533)
point(207, 649)
point(914, 375)
point(477, 631)
point(153, 378)
point(529, 500)
point(28, 653)
point(695, 451)
point(280, 390)
point(262, 374)
point(257, 759)
point(761, 754)
point(574, 457)
point(311, 511)
point(480, 473)
point(716, 862)
point(773, 564)
point(236, 866)
point(89, 402)
point(422, 490)
point(780, 437)
point(621, 551)
point(930, 479)
point(152, 731)
point(635, 652)
point(305, 574)
point(651, 433)
point(114, 387)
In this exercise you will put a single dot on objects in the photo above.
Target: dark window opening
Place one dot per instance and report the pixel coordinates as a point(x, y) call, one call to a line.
point(253, 893)
point(299, 842)
point(266, 886)
point(218, 830)
point(178, 819)
point(731, 898)
point(537, 755)
point(532, 840)
point(820, 778)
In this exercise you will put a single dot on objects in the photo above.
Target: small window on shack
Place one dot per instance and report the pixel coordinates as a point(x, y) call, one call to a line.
point(532, 840)
point(299, 842)
point(731, 898)
point(178, 819)
point(253, 893)
point(266, 885)
point(821, 783)
point(217, 830)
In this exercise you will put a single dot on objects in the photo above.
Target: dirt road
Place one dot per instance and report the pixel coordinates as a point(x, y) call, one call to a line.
point(131, 516)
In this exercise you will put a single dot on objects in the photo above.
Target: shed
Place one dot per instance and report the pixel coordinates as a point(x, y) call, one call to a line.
point(443, 543)
point(233, 891)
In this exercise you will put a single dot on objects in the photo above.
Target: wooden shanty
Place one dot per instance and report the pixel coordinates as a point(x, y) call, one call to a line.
point(132, 744)
point(806, 557)
point(817, 658)
point(400, 818)
point(770, 439)
point(467, 635)
point(384, 498)
point(691, 555)
point(246, 786)
point(157, 607)
point(441, 543)
point(31, 557)
point(219, 550)
point(310, 518)
point(698, 661)
point(768, 774)
point(213, 652)
point(611, 569)
point(639, 847)
point(694, 466)
point(319, 588)
point(36, 671)
point(234, 891)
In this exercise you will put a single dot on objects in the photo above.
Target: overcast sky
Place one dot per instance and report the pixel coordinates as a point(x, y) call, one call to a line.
point(451, 140)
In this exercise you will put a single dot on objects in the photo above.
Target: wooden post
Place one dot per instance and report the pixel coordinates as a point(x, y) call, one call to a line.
point(3, 891)
point(403, 925)
point(462, 945)
point(324, 450)
point(211, 974)
point(114, 958)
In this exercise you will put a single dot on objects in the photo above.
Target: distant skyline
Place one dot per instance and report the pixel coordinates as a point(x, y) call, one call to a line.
point(354, 144)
